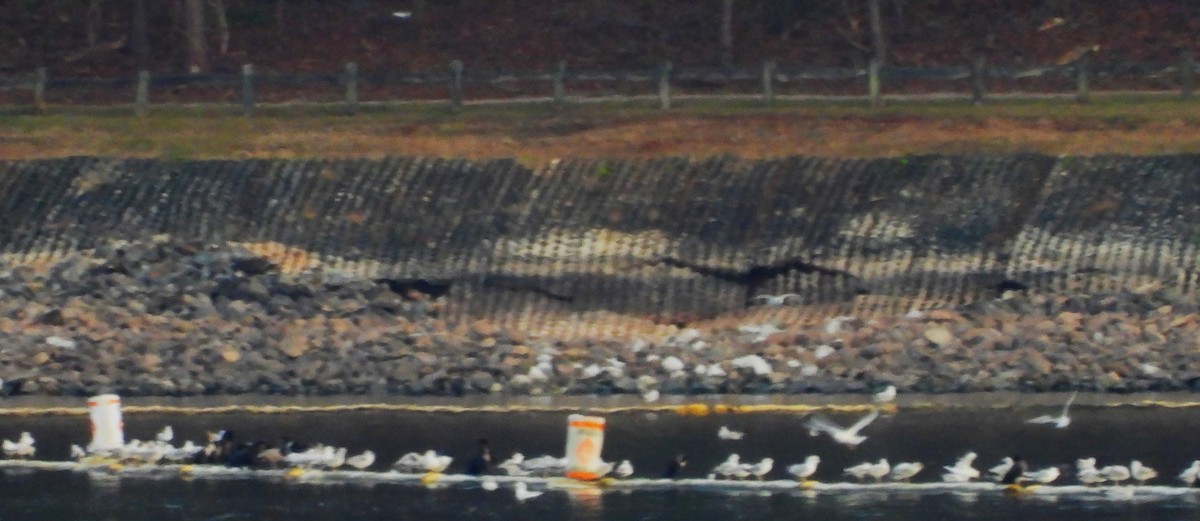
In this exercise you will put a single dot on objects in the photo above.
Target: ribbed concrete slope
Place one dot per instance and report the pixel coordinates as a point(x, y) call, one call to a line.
point(660, 237)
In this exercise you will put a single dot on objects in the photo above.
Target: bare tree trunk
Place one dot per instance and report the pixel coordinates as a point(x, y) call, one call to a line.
point(141, 43)
point(878, 44)
point(727, 34)
point(92, 22)
point(278, 20)
point(222, 25)
point(197, 54)
point(419, 10)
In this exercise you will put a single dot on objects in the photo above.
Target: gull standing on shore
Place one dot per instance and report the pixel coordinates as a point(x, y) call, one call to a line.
point(165, 435)
point(848, 436)
point(1116, 473)
point(1189, 474)
point(522, 491)
point(805, 470)
point(625, 469)
point(361, 461)
point(905, 471)
point(1141, 473)
point(1062, 420)
point(1042, 476)
point(22, 448)
point(1086, 473)
point(726, 468)
point(886, 395)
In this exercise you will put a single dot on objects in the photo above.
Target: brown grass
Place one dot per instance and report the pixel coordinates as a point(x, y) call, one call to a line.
point(536, 134)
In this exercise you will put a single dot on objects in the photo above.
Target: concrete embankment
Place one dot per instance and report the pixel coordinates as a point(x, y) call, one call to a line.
point(428, 276)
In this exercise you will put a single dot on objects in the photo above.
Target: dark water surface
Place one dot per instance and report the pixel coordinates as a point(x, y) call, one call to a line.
point(1163, 438)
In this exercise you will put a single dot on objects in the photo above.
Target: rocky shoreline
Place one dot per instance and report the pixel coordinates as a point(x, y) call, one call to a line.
point(172, 318)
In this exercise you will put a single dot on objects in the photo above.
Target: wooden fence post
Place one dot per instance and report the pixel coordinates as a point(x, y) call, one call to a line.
point(873, 87)
point(351, 88)
point(768, 82)
point(1187, 74)
point(979, 79)
point(560, 87)
point(664, 86)
point(1082, 94)
point(247, 89)
point(39, 89)
point(141, 93)
point(456, 92)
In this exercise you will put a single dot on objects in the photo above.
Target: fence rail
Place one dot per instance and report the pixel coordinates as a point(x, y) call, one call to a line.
point(972, 78)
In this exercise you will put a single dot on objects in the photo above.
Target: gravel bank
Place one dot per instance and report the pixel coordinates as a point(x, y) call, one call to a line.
point(167, 318)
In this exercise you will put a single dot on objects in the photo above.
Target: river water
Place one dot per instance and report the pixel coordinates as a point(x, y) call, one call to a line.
point(1164, 438)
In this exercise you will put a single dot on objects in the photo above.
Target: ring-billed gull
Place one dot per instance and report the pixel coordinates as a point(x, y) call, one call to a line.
point(1015, 471)
point(875, 470)
point(999, 471)
point(1086, 472)
point(1115, 473)
point(546, 465)
point(1141, 473)
point(803, 471)
point(1189, 474)
point(961, 471)
point(523, 492)
point(625, 469)
point(361, 461)
point(725, 433)
point(165, 435)
point(905, 471)
point(651, 396)
point(1042, 476)
point(848, 436)
point(512, 465)
point(22, 448)
point(727, 468)
point(760, 469)
point(776, 300)
point(886, 395)
point(1062, 420)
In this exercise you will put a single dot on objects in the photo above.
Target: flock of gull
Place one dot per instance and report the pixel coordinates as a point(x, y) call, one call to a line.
point(221, 449)
point(1012, 471)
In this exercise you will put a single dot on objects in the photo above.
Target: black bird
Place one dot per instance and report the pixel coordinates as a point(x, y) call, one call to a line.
point(480, 463)
point(245, 455)
point(1014, 474)
point(675, 466)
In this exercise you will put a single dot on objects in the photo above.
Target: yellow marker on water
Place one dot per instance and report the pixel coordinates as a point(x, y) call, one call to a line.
point(185, 469)
point(294, 472)
point(807, 484)
point(1017, 488)
point(431, 478)
point(693, 409)
point(721, 408)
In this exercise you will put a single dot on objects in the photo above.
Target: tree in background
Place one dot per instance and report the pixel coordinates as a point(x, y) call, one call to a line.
point(141, 37)
point(727, 34)
point(197, 51)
